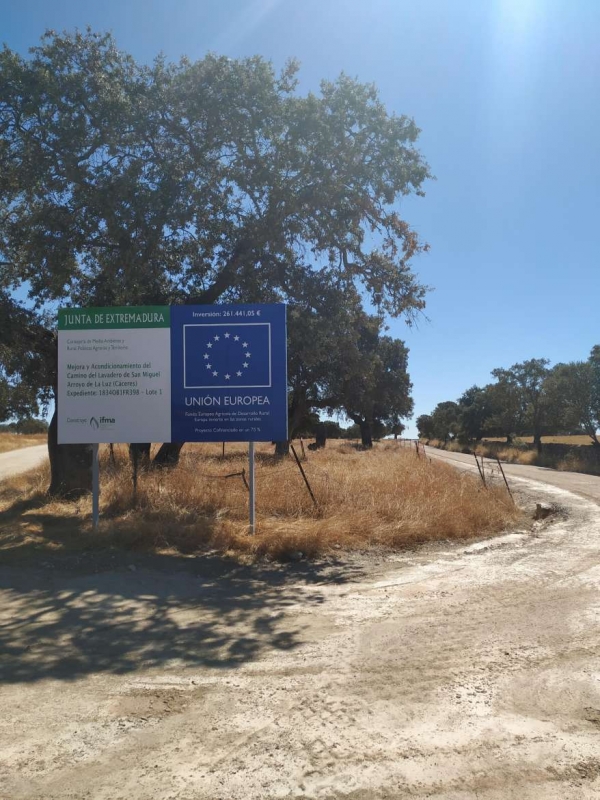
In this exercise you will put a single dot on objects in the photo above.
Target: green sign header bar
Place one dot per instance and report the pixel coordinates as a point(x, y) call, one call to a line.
point(83, 319)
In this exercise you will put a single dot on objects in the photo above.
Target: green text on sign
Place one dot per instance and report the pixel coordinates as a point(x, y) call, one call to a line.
point(81, 319)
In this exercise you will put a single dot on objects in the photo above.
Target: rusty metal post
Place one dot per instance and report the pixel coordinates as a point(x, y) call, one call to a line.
point(505, 481)
point(310, 491)
point(481, 475)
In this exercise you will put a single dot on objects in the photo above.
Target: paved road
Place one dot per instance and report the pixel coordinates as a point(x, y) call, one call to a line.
point(16, 461)
point(584, 485)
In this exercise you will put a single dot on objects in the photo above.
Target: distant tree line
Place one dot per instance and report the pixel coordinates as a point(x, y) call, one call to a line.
point(329, 429)
point(25, 426)
point(528, 399)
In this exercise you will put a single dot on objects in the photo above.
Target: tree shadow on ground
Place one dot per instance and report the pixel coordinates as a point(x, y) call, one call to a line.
point(76, 614)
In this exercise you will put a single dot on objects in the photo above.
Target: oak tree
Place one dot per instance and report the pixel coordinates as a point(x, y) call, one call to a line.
point(124, 183)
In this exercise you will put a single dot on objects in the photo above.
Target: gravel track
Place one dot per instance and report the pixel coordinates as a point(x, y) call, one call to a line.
point(16, 461)
point(454, 672)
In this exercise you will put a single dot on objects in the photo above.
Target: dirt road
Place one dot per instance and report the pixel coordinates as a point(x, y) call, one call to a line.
point(17, 461)
point(586, 485)
point(451, 672)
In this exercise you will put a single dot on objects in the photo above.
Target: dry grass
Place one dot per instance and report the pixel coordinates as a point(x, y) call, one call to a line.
point(574, 439)
point(386, 497)
point(516, 456)
point(572, 462)
point(451, 447)
point(512, 455)
point(14, 441)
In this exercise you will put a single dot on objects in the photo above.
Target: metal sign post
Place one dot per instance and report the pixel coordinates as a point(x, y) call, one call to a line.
point(95, 486)
point(252, 494)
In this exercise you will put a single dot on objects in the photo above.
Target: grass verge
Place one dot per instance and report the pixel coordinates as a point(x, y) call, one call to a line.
point(386, 497)
point(576, 439)
point(576, 454)
point(15, 441)
point(571, 458)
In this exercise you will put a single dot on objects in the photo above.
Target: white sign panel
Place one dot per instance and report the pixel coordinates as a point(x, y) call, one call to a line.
point(114, 375)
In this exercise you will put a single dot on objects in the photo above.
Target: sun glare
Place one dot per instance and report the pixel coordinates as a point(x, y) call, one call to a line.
point(518, 17)
point(244, 23)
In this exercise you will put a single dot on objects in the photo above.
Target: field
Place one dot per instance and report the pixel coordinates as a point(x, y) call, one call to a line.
point(386, 498)
point(14, 441)
point(575, 457)
point(575, 439)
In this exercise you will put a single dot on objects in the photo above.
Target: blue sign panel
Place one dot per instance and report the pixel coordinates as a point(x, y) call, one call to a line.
point(228, 373)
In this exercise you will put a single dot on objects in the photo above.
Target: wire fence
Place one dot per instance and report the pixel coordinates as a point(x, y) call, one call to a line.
point(307, 467)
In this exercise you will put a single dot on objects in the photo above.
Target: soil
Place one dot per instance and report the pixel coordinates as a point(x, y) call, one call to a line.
point(452, 671)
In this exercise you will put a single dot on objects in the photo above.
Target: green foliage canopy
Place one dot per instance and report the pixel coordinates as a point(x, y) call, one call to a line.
point(206, 181)
point(198, 181)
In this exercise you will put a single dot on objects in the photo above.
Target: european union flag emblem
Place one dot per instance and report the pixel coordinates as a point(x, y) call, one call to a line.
point(227, 355)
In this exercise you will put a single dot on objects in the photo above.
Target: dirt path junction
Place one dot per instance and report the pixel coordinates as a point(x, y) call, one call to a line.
point(448, 672)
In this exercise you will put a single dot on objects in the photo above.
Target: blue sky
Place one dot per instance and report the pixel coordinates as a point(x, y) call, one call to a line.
point(506, 95)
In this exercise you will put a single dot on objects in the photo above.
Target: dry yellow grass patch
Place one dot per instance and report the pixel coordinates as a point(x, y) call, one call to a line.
point(574, 439)
point(386, 497)
point(14, 441)
point(512, 455)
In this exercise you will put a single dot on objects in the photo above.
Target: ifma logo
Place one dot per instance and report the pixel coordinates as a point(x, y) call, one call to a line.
point(102, 422)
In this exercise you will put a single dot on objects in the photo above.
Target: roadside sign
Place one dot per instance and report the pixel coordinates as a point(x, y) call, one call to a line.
point(229, 376)
point(180, 373)
point(114, 375)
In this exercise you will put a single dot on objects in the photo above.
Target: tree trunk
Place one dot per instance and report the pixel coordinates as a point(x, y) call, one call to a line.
point(70, 466)
point(139, 455)
point(365, 434)
point(537, 441)
point(282, 448)
point(297, 412)
point(509, 439)
point(320, 436)
point(168, 454)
